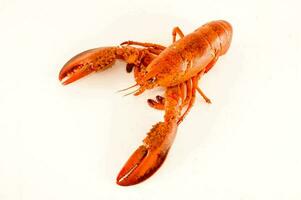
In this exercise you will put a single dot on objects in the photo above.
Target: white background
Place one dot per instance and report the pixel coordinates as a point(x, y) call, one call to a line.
point(70, 142)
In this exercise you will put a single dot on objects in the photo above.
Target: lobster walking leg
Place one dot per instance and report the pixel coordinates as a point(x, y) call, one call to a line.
point(188, 96)
point(143, 44)
point(154, 50)
point(211, 64)
point(203, 95)
point(176, 30)
point(191, 90)
point(192, 99)
point(183, 90)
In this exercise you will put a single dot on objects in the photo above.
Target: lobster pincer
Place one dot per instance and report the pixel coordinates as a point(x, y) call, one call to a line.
point(147, 159)
point(97, 59)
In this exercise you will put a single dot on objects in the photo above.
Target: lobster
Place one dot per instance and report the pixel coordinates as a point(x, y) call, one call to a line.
point(177, 68)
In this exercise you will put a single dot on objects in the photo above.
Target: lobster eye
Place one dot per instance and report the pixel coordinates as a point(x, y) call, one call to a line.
point(151, 80)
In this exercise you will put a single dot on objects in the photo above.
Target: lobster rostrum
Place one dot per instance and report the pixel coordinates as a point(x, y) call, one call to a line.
point(177, 68)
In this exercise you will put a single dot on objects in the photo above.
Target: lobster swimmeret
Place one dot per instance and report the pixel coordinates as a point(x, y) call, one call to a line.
point(177, 68)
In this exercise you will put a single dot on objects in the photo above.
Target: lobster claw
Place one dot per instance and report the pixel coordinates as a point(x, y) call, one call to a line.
point(148, 158)
point(87, 62)
point(142, 164)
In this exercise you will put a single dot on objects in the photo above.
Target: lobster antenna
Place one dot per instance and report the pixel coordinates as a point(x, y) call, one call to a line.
point(131, 92)
point(127, 88)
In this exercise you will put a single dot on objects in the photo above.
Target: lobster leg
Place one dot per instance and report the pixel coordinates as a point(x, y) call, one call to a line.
point(100, 59)
point(176, 30)
point(192, 98)
point(211, 64)
point(188, 96)
point(191, 90)
point(203, 95)
point(144, 44)
point(154, 50)
point(183, 90)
